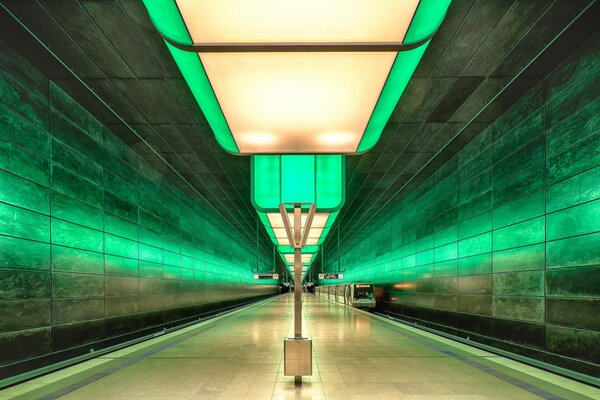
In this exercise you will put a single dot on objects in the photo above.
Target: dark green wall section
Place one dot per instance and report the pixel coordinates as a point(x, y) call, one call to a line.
point(95, 245)
point(502, 244)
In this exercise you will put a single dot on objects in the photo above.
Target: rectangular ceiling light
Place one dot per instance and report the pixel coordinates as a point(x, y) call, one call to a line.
point(319, 220)
point(313, 76)
point(292, 21)
point(304, 269)
point(279, 236)
point(318, 179)
point(298, 102)
point(305, 258)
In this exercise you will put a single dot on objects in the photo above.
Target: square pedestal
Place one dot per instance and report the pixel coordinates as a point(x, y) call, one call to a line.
point(297, 356)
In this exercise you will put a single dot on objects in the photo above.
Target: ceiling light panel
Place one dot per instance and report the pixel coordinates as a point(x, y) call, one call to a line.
point(319, 220)
point(292, 21)
point(314, 76)
point(298, 102)
point(306, 258)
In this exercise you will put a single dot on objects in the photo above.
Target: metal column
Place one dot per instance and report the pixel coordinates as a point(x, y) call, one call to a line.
point(297, 272)
point(300, 349)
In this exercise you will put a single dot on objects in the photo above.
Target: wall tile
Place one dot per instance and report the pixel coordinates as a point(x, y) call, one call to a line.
point(573, 282)
point(521, 234)
point(573, 98)
point(573, 191)
point(66, 311)
point(76, 285)
point(73, 258)
point(75, 162)
point(18, 130)
point(525, 283)
point(578, 126)
point(72, 235)
point(24, 344)
point(574, 343)
point(579, 157)
point(18, 222)
point(525, 208)
point(476, 245)
point(22, 253)
point(475, 265)
point(24, 284)
point(24, 163)
point(574, 313)
point(73, 210)
point(521, 184)
point(520, 308)
point(473, 304)
point(520, 259)
point(23, 102)
point(536, 172)
point(573, 221)
point(73, 185)
point(24, 314)
point(574, 252)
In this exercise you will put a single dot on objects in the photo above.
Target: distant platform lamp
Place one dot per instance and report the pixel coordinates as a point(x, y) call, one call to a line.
point(297, 85)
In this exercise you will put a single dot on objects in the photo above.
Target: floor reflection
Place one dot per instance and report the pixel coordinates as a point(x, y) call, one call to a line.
point(240, 356)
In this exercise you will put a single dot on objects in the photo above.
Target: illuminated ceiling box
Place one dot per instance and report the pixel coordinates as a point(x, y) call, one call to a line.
point(304, 269)
point(289, 76)
point(305, 258)
point(316, 179)
point(304, 250)
point(298, 178)
point(320, 227)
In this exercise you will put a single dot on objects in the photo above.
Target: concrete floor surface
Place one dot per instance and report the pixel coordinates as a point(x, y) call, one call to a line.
point(356, 356)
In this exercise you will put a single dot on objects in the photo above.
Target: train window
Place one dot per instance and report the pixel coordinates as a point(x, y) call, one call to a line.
point(363, 292)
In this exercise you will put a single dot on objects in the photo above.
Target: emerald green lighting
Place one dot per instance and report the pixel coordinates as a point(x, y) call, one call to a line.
point(298, 179)
point(284, 249)
point(427, 19)
point(402, 70)
point(290, 250)
point(315, 179)
point(167, 17)
point(193, 72)
point(291, 178)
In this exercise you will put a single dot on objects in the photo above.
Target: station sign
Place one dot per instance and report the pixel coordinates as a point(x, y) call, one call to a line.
point(331, 276)
point(266, 276)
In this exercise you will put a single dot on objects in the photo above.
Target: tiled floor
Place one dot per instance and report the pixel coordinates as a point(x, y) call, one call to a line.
point(356, 356)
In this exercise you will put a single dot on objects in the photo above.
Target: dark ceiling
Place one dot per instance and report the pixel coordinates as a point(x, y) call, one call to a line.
point(481, 47)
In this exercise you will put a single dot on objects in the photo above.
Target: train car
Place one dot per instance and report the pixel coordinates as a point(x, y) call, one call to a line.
point(358, 295)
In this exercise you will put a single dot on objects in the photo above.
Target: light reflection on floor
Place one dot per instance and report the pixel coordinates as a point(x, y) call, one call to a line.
point(356, 356)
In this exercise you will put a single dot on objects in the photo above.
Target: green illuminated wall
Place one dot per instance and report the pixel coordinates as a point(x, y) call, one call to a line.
point(502, 243)
point(95, 245)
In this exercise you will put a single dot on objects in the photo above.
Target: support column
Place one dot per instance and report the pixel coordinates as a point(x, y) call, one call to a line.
point(297, 272)
point(297, 293)
point(297, 351)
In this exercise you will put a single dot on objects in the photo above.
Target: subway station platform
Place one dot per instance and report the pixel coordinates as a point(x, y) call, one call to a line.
point(356, 356)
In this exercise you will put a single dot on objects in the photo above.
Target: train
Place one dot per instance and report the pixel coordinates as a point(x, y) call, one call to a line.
point(358, 295)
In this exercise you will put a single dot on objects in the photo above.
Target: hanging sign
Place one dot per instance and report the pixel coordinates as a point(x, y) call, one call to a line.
point(331, 276)
point(266, 276)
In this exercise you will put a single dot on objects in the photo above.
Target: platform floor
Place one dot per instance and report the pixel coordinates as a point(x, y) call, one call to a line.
point(356, 356)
